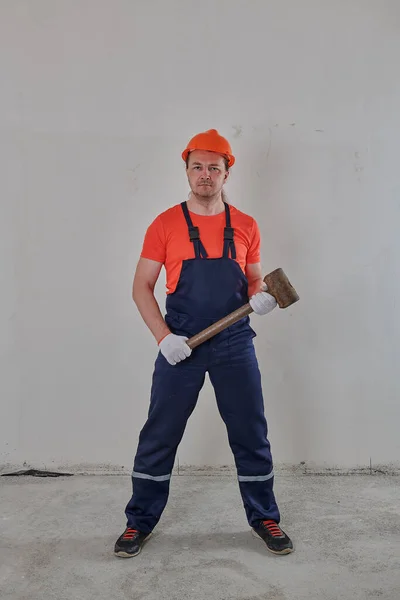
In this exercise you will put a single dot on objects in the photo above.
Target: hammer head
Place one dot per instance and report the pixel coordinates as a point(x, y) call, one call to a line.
point(280, 287)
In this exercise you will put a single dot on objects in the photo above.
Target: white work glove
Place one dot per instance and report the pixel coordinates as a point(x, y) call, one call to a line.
point(262, 303)
point(174, 348)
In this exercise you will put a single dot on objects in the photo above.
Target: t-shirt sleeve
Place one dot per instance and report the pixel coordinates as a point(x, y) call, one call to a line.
point(254, 253)
point(154, 244)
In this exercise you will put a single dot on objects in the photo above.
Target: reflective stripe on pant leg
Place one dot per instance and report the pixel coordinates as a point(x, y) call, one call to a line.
point(146, 476)
point(247, 478)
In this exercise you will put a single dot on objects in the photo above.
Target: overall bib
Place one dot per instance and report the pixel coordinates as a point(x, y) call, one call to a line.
point(208, 289)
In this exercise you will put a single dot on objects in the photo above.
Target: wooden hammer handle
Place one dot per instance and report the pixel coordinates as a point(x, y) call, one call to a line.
point(278, 285)
point(219, 326)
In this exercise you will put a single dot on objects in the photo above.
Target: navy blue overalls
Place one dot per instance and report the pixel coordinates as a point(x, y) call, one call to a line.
point(207, 290)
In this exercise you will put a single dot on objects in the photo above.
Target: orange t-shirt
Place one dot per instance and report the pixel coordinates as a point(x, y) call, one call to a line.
point(167, 240)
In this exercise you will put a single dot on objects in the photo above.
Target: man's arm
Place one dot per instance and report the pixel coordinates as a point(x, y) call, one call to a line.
point(146, 275)
point(260, 301)
point(254, 278)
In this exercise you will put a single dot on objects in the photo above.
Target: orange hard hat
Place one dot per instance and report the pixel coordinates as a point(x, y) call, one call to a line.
point(212, 141)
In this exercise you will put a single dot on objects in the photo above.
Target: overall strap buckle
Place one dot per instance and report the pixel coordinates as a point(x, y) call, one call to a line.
point(194, 233)
point(228, 233)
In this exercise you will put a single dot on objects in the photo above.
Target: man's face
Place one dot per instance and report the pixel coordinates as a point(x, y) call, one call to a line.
point(206, 173)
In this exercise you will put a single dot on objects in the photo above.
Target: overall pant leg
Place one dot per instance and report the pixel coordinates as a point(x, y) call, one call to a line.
point(236, 379)
point(174, 394)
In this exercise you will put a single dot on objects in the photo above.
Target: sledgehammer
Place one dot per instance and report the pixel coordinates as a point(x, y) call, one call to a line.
point(278, 286)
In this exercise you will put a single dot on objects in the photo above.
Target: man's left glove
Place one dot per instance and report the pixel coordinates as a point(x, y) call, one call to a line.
point(262, 303)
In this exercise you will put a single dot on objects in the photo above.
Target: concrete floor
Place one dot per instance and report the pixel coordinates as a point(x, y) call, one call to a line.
point(57, 538)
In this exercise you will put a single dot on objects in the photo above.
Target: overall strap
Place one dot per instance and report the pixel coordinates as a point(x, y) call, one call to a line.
point(194, 235)
point(229, 244)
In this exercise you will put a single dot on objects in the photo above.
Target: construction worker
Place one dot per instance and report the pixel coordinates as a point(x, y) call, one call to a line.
point(211, 254)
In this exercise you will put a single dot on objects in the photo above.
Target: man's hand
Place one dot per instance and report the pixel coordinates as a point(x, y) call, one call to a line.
point(262, 303)
point(174, 348)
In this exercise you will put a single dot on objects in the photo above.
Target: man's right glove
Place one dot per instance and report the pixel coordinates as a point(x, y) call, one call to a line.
point(174, 348)
point(262, 303)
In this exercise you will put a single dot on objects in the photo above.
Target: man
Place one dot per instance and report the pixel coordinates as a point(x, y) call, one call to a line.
point(211, 253)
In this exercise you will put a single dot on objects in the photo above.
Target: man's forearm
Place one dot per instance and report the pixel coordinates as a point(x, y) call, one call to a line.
point(144, 298)
point(255, 286)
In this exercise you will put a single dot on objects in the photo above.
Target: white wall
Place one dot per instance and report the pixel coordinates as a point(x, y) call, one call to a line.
point(98, 99)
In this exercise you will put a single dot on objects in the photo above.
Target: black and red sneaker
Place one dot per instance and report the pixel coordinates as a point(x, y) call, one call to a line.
point(277, 541)
point(130, 543)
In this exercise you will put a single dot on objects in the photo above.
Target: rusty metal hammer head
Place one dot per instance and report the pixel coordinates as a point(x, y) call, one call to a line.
point(280, 287)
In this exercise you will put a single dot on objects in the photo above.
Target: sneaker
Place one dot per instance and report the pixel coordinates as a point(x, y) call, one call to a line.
point(277, 541)
point(130, 543)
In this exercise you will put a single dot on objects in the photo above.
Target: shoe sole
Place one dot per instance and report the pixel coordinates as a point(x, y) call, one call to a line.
point(278, 553)
point(122, 554)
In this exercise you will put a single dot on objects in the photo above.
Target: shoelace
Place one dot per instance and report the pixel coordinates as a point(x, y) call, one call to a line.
point(130, 534)
point(273, 528)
